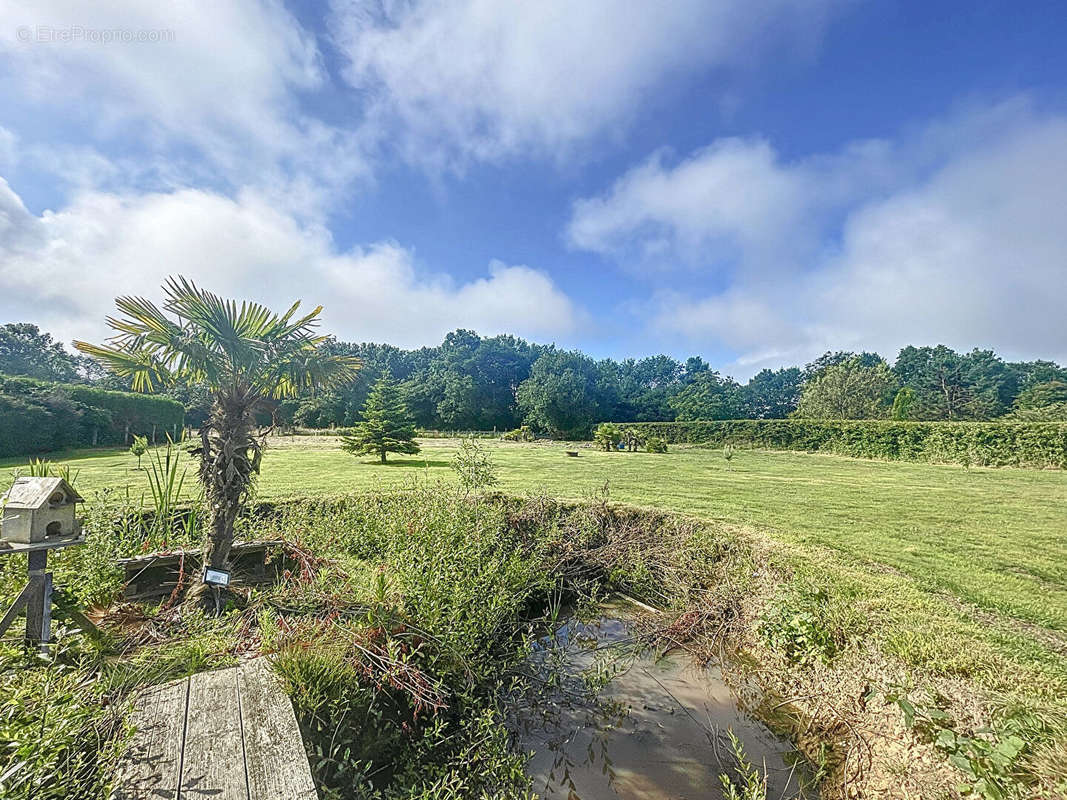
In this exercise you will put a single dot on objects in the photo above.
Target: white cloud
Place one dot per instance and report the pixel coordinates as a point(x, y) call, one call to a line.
point(732, 204)
point(975, 256)
point(481, 79)
point(952, 234)
point(63, 269)
point(221, 84)
point(724, 202)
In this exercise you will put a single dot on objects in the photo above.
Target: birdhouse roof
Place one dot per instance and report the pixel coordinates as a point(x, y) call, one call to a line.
point(33, 493)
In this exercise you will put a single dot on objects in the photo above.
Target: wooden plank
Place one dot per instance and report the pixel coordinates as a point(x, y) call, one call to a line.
point(156, 575)
point(151, 768)
point(54, 543)
point(213, 766)
point(38, 606)
point(238, 548)
point(276, 762)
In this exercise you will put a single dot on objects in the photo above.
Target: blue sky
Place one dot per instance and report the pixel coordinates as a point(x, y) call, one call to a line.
point(755, 181)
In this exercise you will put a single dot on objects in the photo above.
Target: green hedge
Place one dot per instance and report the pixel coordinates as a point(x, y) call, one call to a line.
point(1001, 444)
point(37, 417)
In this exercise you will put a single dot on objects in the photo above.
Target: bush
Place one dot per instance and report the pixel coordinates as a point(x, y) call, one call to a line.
point(633, 439)
point(656, 444)
point(998, 444)
point(523, 434)
point(796, 626)
point(607, 435)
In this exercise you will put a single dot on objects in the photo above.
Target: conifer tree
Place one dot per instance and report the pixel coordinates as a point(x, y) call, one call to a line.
point(387, 426)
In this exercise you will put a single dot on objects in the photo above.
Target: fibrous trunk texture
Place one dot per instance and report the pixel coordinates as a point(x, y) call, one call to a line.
point(229, 461)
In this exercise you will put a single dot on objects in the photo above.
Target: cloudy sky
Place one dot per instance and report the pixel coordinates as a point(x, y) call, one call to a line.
point(756, 181)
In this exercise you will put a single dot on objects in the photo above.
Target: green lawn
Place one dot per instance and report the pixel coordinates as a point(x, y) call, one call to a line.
point(956, 541)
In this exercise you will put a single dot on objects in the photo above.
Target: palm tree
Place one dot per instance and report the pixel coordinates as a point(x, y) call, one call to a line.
point(247, 356)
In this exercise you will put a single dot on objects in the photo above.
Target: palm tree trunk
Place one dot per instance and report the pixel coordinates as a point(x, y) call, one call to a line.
point(229, 460)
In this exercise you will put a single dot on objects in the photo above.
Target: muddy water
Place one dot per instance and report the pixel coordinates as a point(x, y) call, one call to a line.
point(616, 722)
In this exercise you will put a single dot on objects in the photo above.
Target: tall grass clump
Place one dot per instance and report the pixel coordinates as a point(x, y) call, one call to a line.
point(120, 526)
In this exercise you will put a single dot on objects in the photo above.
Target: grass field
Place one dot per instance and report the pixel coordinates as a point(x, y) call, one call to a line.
point(962, 570)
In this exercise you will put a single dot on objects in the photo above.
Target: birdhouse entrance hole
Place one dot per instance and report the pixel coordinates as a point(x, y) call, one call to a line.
point(54, 528)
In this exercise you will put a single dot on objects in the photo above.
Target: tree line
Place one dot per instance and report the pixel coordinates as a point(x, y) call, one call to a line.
point(471, 382)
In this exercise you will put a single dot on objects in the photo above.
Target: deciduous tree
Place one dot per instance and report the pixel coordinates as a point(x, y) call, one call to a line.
point(563, 395)
point(773, 394)
point(848, 390)
point(26, 350)
point(709, 396)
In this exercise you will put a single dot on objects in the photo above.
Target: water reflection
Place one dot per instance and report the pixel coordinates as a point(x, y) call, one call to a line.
point(613, 721)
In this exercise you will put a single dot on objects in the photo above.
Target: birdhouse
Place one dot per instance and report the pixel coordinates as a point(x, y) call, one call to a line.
point(39, 510)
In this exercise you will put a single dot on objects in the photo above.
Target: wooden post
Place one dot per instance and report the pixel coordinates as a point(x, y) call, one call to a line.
point(39, 603)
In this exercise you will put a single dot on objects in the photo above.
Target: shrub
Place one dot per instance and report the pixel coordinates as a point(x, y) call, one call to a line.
point(806, 624)
point(607, 435)
point(523, 434)
point(633, 439)
point(998, 444)
point(656, 444)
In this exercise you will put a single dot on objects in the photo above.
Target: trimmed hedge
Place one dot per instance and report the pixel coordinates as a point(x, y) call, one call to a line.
point(37, 416)
point(999, 444)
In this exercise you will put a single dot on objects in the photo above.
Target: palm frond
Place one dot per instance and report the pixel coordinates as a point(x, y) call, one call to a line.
point(243, 348)
point(309, 369)
point(207, 311)
point(144, 370)
point(144, 319)
point(284, 328)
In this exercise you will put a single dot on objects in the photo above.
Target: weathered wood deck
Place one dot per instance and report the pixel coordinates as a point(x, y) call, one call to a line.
point(224, 735)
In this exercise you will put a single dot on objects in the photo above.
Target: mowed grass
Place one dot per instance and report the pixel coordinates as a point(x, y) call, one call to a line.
point(920, 546)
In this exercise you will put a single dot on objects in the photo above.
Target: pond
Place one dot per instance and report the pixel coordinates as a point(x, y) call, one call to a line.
point(613, 720)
